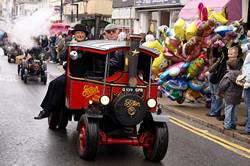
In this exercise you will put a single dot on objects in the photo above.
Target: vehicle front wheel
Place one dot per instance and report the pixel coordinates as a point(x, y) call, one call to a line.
point(88, 138)
point(158, 148)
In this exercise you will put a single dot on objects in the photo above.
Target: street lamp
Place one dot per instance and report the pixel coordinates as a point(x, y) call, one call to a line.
point(72, 2)
point(61, 10)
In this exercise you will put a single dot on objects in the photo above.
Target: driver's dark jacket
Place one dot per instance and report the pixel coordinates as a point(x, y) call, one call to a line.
point(116, 59)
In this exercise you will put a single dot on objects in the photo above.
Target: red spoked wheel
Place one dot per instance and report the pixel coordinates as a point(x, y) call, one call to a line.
point(82, 138)
point(158, 149)
point(88, 138)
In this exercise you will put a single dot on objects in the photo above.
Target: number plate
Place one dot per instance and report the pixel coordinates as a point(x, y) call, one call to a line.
point(129, 89)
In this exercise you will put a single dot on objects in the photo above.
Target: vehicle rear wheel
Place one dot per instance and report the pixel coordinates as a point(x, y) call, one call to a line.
point(9, 60)
point(53, 120)
point(157, 151)
point(88, 138)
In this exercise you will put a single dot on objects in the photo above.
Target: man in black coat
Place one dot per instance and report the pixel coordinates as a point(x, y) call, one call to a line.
point(55, 95)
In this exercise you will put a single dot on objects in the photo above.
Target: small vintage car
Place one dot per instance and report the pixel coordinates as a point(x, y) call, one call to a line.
point(113, 106)
point(33, 67)
point(13, 50)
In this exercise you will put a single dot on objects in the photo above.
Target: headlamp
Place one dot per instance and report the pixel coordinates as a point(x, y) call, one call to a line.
point(73, 55)
point(104, 100)
point(151, 103)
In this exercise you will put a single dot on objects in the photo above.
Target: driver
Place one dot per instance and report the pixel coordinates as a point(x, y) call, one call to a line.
point(55, 95)
point(111, 32)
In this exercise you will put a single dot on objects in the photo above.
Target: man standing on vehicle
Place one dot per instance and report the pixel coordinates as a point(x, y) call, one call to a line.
point(55, 95)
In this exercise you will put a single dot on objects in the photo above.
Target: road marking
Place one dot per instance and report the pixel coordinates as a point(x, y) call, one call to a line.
point(204, 133)
point(8, 78)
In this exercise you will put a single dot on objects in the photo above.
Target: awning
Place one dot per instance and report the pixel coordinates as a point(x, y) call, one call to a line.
point(234, 8)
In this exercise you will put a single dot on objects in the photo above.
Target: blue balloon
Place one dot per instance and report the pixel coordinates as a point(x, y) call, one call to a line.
point(177, 84)
point(222, 30)
point(196, 85)
point(165, 75)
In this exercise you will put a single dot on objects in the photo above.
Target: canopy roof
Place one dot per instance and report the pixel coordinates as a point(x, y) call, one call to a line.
point(106, 46)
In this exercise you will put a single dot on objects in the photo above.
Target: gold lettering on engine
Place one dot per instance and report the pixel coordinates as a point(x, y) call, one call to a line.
point(130, 105)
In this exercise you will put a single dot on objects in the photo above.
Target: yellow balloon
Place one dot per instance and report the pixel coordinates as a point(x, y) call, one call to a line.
point(160, 62)
point(156, 45)
point(218, 17)
point(179, 28)
point(191, 30)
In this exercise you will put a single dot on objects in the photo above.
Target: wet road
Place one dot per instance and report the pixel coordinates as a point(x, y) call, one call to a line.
point(25, 141)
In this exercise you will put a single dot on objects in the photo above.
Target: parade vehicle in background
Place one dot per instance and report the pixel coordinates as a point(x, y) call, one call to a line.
point(12, 51)
point(33, 67)
point(58, 27)
point(113, 106)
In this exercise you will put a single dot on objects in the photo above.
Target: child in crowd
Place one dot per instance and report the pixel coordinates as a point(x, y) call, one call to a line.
point(231, 93)
point(233, 53)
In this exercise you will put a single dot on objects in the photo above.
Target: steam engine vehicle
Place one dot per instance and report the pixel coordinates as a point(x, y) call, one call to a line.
point(113, 105)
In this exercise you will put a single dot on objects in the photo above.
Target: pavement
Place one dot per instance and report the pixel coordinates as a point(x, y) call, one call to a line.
point(197, 112)
point(191, 111)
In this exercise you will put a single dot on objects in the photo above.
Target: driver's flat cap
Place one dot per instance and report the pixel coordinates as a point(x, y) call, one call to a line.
point(111, 27)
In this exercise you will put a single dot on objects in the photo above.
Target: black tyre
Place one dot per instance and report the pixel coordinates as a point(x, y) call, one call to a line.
point(22, 74)
point(180, 100)
point(25, 76)
point(18, 69)
point(9, 60)
point(88, 138)
point(45, 79)
point(158, 149)
point(25, 79)
point(53, 120)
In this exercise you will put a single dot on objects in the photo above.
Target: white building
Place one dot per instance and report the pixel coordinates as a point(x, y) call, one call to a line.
point(27, 7)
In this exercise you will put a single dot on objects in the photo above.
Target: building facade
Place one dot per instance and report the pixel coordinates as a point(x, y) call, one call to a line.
point(123, 14)
point(27, 7)
point(75, 10)
point(153, 13)
point(146, 15)
point(1, 8)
